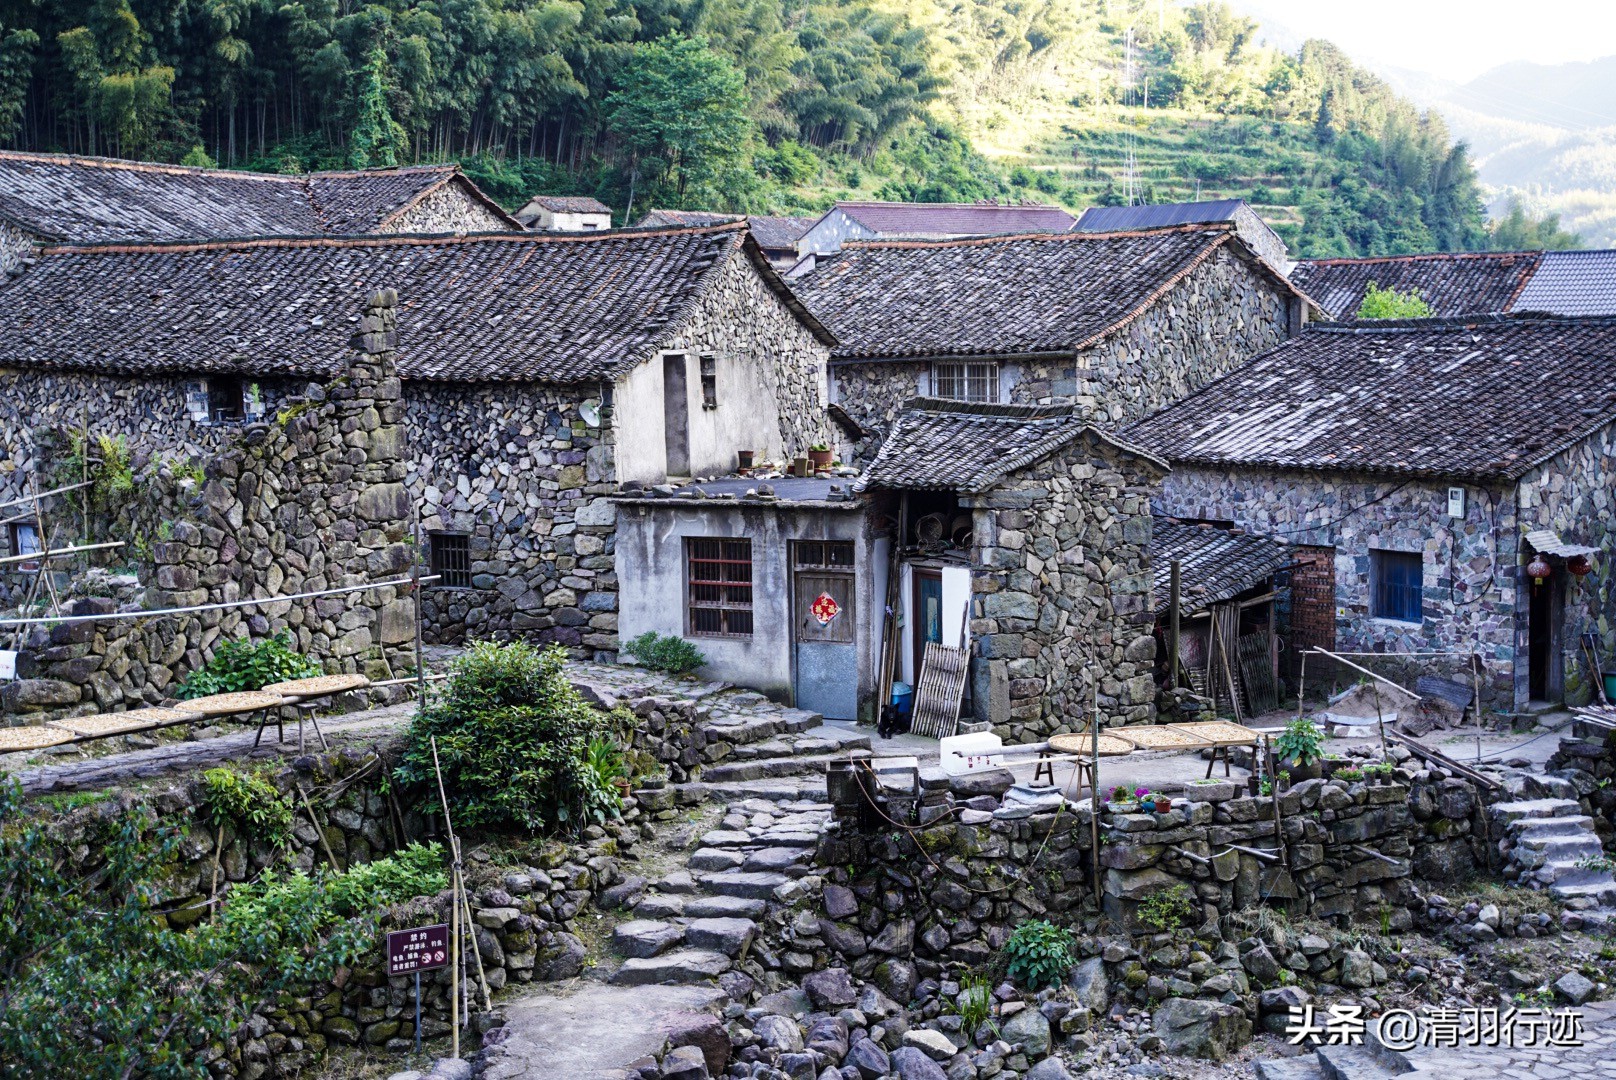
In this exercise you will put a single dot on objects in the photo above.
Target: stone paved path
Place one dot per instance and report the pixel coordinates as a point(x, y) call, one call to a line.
point(579, 1030)
point(1594, 1060)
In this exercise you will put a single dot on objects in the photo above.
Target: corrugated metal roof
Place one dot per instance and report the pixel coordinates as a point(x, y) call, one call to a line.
point(1572, 283)
point(1126, 218)
point(1549, 543)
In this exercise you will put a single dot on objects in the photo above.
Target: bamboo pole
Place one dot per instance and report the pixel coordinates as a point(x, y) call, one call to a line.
point(1174, 608)
point(1094, 787)
point(456, 885)
point(318, 831)
point(1273, 790)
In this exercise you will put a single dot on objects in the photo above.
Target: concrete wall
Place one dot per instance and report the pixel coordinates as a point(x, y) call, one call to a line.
point(1471, 564)
point(772, 384)
point(550, 221)
point(651, 555)
point(830, 233)
point(1219, 316)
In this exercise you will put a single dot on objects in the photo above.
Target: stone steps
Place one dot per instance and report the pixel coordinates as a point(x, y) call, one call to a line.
point(1543, 851)
point(775, 767)
point(1535, 808)
point(680, 967)
point(783, 789)
point(815, 741)
point(1305, 1067)
point(747, 886)
point(1532, 828)
point(744, 730)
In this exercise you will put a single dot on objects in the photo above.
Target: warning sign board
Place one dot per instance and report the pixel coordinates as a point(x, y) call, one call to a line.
point(421, 949)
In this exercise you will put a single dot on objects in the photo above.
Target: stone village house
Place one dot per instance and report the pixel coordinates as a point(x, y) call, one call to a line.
point(1470, 283)
point(1115, 325)
point(1019, 532)
point(62, 199)
point(1417, 468)
point(539, 372)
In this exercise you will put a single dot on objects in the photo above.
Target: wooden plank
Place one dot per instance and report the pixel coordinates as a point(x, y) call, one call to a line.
point(1257, 671)
point(937, 698)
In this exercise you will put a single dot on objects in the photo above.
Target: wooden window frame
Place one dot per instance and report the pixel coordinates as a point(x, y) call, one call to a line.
point(449, 557)
point(801, 549)
point(707, 366)
point(960, 380)
point(716, 593)
point(1396, 601)
point(14, 539)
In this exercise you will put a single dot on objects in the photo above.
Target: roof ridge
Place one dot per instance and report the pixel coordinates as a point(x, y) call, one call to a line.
point(382, 240)
point(1477, 321)
point(171, 169)
point(977, 241)
point(1425, 256)
point(953, 205)
point(987, 409)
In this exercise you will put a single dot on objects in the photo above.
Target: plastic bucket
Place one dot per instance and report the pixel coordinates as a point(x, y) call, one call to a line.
point(903, 696)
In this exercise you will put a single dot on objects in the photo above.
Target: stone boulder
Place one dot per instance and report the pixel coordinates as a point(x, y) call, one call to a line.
point(830, 989)
point(1090, 987)
point(703, 1031)
point(910, 1063)
point(685, 1063)
point(1191, 1027)
point(869, 1059)
point(1030, 1029)
point(778, 1033)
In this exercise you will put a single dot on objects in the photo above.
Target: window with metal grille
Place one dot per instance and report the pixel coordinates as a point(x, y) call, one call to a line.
point(720, 577)
point(965, 381)
point(709, 381)
point(1397, 585)
point(450, 559)
point(823, 554)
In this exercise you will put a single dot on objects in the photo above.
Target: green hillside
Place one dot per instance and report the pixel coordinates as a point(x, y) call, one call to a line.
point(754, 106)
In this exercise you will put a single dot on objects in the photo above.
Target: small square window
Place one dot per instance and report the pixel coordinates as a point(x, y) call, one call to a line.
point(966, 381)
point(709, 381)
point(26, 540)
point(719, 573)
point(1397, 585)
point(449, 557)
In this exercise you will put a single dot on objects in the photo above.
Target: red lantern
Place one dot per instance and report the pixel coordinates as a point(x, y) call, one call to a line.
point(1539, 568)
point(1579, 565)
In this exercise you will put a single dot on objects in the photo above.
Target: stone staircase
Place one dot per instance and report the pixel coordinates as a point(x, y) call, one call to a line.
point(1543, 840)
point(697, 923)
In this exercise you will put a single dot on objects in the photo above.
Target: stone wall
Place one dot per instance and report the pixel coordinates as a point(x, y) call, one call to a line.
point(901, 905)
point(311, 500)
point(522, 916)
point(520, 470)
point(1219, 316)
point(1471, 564)
point(16, 247)
point(1062, 582)
point(449, 209)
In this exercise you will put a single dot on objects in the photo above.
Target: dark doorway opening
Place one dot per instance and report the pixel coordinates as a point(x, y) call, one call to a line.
point(1546, 674)
point(676, 412)
point(928, 612)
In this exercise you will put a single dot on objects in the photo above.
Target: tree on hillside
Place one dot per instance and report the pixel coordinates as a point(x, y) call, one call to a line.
point(16, 68)
point(1381, 303)
point(1519, 231)
point(681, 110)
point(377, 139)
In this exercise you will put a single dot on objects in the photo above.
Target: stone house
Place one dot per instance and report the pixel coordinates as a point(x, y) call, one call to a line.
point(776, 235)
point(847, 222)
point(539, 371)
point(1417, 468)
point(1237, 212)
point(1017, 532)
point(565, 213)
point(1115, 325)
point(61, 199)
point(1470, 283)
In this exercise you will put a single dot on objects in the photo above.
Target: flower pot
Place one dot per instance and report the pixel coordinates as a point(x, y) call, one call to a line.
point(1124, 807)
point(1313, 770)
point(821, 459)
point(1252, 783)
point(1161, 804)
point(621, 783)
point(802, 467)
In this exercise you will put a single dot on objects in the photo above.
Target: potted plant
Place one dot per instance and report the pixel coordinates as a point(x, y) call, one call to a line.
point(1122, 800)
point(1301, 747)
point(820, 455)
point(1161, 803)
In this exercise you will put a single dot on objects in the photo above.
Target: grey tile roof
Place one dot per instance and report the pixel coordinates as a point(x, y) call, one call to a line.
point(1214, 564)
point(898, 219)
point(1130, 218)
point(1003, 296)
point(1470, 283)
point(773, 233)
point(103, 200)
point(1572, 283)
point(569, 204)
point(549, 307)
point(1488, 397)
point(962, 446)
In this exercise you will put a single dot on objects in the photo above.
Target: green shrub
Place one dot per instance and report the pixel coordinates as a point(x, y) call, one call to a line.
point(1039, 954)
point(1302, 741)
point(277, 903)
point(1167, 909)
point(1381, 303)
point(244, 664)
point(513, 739)
point(664, 653)
point(249, 804)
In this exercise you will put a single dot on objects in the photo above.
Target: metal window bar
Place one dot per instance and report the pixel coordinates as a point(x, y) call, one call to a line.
point(709, 381)
point(720, 577)
point(962, 381)
point(823, 554)
point(451, 559)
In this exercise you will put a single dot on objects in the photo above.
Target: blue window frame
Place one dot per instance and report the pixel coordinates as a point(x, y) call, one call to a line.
point(1397, 585)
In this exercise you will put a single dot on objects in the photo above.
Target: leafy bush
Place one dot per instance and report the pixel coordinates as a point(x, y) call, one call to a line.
point(1381, 303)
point(1301, 741)
point(672, 654)
point(1167, 909)
point(249, 804)
point(244, 664)
point(1039, 954)
point(513, 739)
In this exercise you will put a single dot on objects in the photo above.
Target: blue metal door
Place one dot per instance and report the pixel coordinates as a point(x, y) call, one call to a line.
point(824, 620)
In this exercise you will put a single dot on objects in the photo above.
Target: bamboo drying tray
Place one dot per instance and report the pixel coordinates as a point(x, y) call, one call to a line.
point(1219, 732)
point(15, 739)
point(317, 686)
point(225, 704)
point(124, 723)
point(1153, 737)
point(1083, 743)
